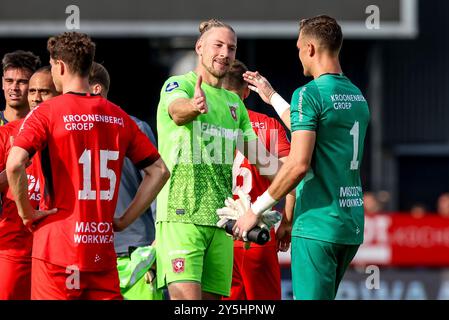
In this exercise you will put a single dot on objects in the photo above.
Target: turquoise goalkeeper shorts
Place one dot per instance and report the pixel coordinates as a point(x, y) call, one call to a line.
point(318, 267)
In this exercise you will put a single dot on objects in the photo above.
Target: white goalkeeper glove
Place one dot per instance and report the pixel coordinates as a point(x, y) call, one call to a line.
point(269, 219)
point(228, 212)
point(233, 209)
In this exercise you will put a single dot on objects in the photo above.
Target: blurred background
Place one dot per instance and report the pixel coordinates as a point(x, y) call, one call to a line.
point(395, 51)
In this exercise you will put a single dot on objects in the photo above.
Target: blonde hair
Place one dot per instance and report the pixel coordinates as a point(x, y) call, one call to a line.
point(213, 23)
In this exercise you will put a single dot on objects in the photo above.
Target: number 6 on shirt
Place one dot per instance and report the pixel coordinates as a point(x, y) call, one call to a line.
point(86, 160)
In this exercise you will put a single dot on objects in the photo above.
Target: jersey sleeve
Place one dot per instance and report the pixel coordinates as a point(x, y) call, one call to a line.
point(282, 140)
point(304, 109)
point(34, 132)
point(140, 150)
point(248, 133)
point(175, 88)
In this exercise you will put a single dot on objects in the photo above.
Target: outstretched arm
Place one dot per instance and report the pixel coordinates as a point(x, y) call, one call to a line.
point(289, 176)
point(184, 110)
point(260, 84)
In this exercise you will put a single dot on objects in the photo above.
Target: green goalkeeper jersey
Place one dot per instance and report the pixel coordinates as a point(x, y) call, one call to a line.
point(199, 154)
point(329, 205)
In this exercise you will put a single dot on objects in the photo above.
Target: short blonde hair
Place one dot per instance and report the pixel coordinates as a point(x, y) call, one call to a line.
point(213, 23)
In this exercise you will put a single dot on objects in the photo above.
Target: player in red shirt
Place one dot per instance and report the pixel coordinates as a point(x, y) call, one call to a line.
point(256, 274)
point(83, 139)
point(18, 66)
point(15, 239)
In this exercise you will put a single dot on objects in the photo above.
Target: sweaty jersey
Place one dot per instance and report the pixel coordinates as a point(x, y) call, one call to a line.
point(245, 175)
point(15, 239)
point(329, 203)
point(84, 139)
point(199, 154)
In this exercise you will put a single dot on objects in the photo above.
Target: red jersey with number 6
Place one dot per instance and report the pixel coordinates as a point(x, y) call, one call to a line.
point(84, 139)
point(246, 176)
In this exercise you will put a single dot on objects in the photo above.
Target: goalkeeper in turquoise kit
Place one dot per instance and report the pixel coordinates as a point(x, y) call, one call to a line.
point(328, 118)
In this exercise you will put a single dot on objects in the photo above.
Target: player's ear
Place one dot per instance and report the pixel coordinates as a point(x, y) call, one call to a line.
point(199, 46)
point(311, 49)
point(246, 92)
point(62, 67)
point(96, 88)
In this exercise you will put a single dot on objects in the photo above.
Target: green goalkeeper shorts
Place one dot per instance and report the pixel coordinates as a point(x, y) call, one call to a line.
point(134, 284)
point(318, 267)
point(188, 252)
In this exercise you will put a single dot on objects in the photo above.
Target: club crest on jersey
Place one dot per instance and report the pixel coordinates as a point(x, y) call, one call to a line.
point(171, 86)
point(233, 109)
point(178, 265)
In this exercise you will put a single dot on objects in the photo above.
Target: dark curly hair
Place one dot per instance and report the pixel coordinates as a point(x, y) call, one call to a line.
point(325, 29)
point(21, 60)
point(76, 49)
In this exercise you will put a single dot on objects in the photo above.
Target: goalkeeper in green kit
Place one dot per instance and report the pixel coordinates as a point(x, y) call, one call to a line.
point(328, 118)
point(200, 125)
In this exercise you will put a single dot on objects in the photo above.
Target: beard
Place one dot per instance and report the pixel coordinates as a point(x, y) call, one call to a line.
point(17, 105)
point(219, 74)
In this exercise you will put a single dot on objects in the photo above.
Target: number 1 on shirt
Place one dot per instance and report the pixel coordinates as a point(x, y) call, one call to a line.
point(355, 133)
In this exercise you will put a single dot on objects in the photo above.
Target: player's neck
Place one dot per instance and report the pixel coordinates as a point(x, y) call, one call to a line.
point(76, 84)
point(327, 65)
point(208, 78)
point(12, 114)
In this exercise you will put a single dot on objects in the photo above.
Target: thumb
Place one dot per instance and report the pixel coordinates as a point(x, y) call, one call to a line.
point(199, 81)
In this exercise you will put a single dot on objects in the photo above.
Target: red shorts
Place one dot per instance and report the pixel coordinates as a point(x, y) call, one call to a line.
point(256, 274)
point(15, 278)
point(52, 282)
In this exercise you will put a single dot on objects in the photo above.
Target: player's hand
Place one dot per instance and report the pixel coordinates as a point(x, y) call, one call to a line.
point(199, 98)
point(244, 224)
point(260, 85)
point(283, 236)
point(119, 224)
point(36, 216)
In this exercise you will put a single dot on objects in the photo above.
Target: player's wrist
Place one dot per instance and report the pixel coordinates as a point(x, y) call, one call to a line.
point(271, 93)
point(279, 104)
point(194, 108)
point(263, 203)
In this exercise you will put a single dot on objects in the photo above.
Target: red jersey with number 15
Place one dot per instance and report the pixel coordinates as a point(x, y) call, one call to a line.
point(84, 139)
point(245, 175)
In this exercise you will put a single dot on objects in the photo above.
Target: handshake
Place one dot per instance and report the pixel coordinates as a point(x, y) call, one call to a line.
point(234, 209)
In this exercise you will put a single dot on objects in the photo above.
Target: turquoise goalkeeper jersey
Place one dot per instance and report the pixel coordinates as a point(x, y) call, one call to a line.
point(329, 205)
